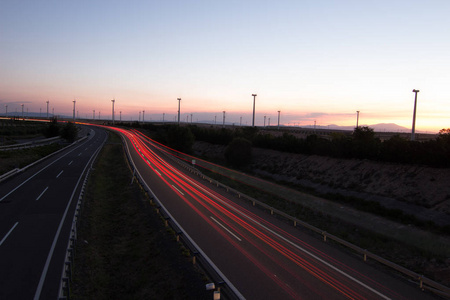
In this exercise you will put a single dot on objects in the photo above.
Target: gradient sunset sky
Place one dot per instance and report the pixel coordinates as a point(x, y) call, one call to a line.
point(312, 60)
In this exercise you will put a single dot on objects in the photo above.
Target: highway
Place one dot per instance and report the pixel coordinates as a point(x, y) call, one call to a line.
point(260, 256)
point(36, 212)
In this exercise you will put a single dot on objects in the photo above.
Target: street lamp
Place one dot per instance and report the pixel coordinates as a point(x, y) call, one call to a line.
point(279, 119)
point(6, 110)
point(113, 100)
point(223, 119)
point(93, 114)
point(120, 116)
point(179, 101)
point(74, 101)
point(357, 118)
point(414, 115)
point(47, 108)
point(253, 122)
point(22, 111)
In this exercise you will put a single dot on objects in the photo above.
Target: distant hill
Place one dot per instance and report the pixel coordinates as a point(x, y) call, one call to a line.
point(388, 127)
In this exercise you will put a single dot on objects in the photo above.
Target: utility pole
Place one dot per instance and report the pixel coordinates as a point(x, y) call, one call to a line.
point(163, 116)
point(47, 108)
point(223, 125)
point(143, 113)
point(113, 100)
point(6, 110)
point(120, 116)
point(279, 119)
point(93, 114)
point(22, 111)
point(179, 101)
point(253, 122)
point(414, 116)
point(264, 121)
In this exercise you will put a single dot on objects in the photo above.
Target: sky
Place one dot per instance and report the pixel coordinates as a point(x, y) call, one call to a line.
point(314, 61)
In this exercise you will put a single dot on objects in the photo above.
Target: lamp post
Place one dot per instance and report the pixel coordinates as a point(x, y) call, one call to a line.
point(414, 116)
point(22, 111)
point(74, 101)
point(279, 119)
point(223, 125)
point(6, 110)
point(113, 100)
point(120, 116)
point(47, 108)
point(163, 116)
point(264, 121)
point(179, 101)
point(93, 114)
point(253, 122)
point(357, 118)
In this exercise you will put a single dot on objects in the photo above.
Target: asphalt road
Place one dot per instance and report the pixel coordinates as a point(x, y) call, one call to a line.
point(261, 256)
point(36, 213)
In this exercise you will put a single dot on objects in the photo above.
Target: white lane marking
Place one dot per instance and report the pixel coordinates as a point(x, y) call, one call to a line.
point(148, 161)
point(59, 173)
point(158, 172)
point(70, 162)
point(9, 232)
point(177, 190)
point(223, 226)
point(42, 194)
point(79, 154)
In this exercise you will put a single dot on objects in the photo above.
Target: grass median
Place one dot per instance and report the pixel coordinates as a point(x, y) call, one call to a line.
point(123, 250)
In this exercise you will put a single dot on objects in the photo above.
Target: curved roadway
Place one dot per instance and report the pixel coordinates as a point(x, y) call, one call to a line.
point(261, 256)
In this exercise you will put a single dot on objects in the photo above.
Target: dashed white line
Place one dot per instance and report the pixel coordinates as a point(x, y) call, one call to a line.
point(41, 194)
point(158, 172)
point(79, 154)
point(59, 173)
point(9, 232)
point(177, 190)
point(70, 162)
point(229, 231)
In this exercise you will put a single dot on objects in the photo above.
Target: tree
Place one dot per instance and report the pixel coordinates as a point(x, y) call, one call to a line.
point(69, 132)
point(239, 152)
point(52, 129)
point(365, 145)
point(180, 138)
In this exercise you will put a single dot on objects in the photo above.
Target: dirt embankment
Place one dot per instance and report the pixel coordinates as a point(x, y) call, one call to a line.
point(417, 190)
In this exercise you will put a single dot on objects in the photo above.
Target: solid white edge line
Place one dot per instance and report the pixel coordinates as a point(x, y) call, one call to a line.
point(229, 231)
point(39, 197)
point(210, 262)
point(37, 295)
point(9, 232)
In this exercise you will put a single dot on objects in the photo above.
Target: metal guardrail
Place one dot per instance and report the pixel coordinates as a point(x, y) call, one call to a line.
point(30, 144)
point(66, 276)
point(223, 285)
point(423, 282)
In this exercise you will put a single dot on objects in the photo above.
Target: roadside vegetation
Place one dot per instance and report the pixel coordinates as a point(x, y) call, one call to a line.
point(124, 251)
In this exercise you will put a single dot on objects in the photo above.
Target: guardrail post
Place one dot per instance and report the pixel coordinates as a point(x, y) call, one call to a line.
point(295, 223)
point(194, 260)
point(324, 233)
point(421, 281)
point(271, 211)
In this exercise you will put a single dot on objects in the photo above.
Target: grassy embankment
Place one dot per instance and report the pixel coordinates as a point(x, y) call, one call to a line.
point(123, 250)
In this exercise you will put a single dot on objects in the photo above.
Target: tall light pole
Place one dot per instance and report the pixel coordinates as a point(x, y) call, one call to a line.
point(6, 110)
point(223, 125)
point(47, 108)
point(163, 116)
point(357, 118)
point(139, 116)
point(414, 116)
point(93, 114)
point(264, 121)
point(120, 116)
point(74, 101)
point(179, 101)
point(22, 111)
point(279, 119)
point(113, 100)
point(253, 122)
point(240, 121)
point(99, 116)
